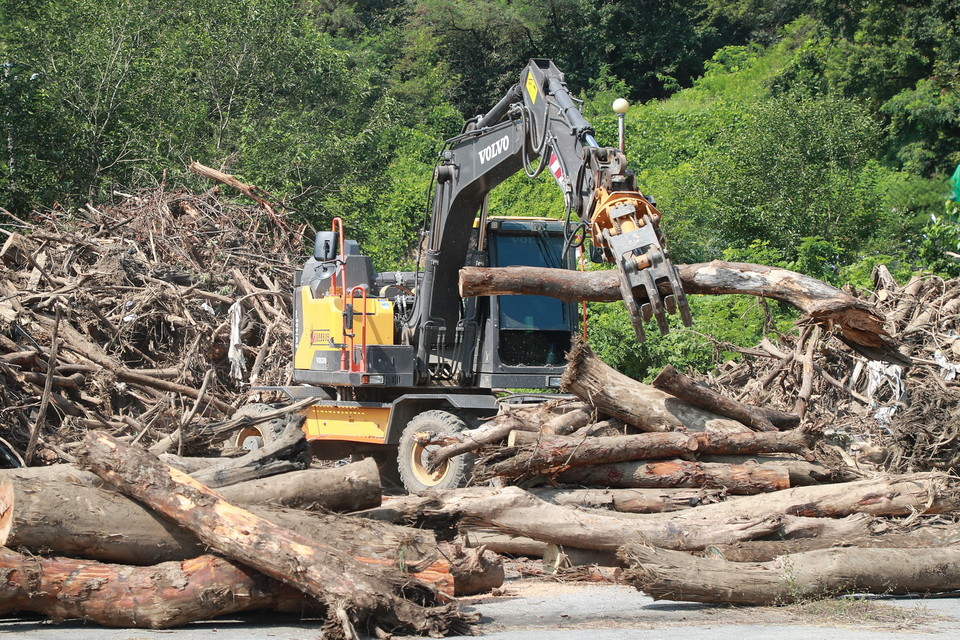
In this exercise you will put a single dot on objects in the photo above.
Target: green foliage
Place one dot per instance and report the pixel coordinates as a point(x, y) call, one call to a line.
point(792, 169)
point(925, 125)
point(717, 320)
point(937, 241)
point(655, 47)
point(811, 135)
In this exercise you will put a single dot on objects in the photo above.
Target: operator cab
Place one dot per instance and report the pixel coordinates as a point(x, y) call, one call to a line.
point(525, 338)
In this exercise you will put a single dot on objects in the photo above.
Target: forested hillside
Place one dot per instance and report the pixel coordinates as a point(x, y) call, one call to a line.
point(817, 135)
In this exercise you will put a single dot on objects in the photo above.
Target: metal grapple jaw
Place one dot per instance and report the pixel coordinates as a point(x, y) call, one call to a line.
point(649, 282)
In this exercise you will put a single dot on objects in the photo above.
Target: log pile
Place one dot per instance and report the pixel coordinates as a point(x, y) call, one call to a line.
point(821, 433)
point(126, 540)
point(133, 331)
point(142, 325)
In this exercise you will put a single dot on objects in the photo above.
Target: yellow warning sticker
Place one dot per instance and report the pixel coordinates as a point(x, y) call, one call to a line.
point(532, 87)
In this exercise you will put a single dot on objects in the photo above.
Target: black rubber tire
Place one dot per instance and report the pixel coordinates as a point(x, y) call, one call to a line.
point(259, 435)
point(452, 474)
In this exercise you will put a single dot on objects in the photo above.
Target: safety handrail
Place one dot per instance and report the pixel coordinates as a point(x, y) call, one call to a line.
point(360, 367)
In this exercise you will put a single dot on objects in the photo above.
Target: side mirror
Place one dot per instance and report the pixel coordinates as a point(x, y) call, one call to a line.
point(325, 246)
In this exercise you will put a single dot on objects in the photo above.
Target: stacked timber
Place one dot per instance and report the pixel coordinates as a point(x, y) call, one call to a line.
point(126, 540)
point(765, 462)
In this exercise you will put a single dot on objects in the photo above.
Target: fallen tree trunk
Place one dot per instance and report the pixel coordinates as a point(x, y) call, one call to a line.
point(348, 488)
point(569, 422)
point(515, 511)
point(632, 402)
point(802, 472)
point(837, 529)
point(563, 452)
point(55, 472)
point(884, 496)
point(857, 321)
point(161, 596)
point(631, 500)
point(355, 593)
point(664, 574)
point(736, 479)
point(765, 550)
point(503, 543)
point(97, 524)
point(758, 418)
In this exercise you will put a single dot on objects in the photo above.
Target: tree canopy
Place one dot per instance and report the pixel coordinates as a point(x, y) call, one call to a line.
point(815, 133)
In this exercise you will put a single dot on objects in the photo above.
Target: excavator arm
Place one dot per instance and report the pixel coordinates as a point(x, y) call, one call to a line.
point(623, 223)
point(537, 126)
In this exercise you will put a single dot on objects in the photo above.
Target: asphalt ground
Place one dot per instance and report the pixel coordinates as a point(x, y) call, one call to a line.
point(528, 609)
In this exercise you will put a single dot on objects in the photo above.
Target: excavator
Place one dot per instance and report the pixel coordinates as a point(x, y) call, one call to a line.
point(391, 356)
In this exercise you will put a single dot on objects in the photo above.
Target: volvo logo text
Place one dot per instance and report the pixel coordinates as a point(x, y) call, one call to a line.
point(492, 151)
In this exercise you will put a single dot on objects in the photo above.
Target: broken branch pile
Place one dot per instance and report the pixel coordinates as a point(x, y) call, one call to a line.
point(142, 325)
point(146, 319)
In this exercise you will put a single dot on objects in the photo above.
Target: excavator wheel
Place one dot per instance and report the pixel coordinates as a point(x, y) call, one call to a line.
point(412, 456)
point(257, 436)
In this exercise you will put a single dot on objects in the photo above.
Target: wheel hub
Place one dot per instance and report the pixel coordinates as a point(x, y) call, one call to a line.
point(421, 455)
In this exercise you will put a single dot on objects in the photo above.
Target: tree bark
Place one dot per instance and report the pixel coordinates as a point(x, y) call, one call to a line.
point(736, 479)
point(766, 550)
point(757, 418)
point(837, 529)
point(565, 452)
point(827, 572)
point(856, 321)
point(348, 488)
point(515, 511)
point(356, 593)
point(802, 472)
point(925, 493)
point(97, 524)
point(155, 597)
point(55, 472)
point(631, 500)
point(632, 402)
point(503, 543)
point(568, 422)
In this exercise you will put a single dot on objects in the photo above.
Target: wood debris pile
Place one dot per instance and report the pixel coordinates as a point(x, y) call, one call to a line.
point(799, 447)
point(900, 414)
point(142, 326)
point(134, 331)
point(143, 319)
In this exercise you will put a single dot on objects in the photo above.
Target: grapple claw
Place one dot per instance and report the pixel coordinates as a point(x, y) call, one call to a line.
point(649, 282)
